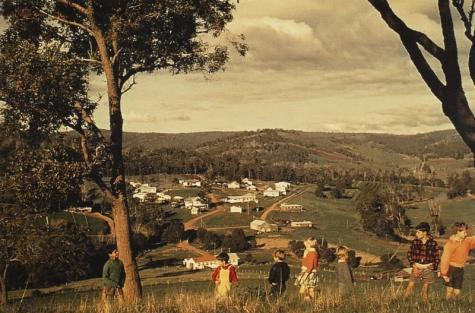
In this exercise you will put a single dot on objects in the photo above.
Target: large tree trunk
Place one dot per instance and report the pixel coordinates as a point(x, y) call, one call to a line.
point(132, 287)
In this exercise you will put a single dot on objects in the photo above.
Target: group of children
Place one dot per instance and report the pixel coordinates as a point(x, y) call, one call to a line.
point(423, 256)
point(225, 274)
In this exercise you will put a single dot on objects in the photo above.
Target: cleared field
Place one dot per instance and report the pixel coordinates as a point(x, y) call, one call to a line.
point(451, 211)
point(336, 221)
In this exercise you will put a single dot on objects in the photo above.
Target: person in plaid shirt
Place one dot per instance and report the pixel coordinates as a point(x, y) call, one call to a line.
point(423, 256)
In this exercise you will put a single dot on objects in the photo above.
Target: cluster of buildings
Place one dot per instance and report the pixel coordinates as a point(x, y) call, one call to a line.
point(195, 205)
point(281, 189)
point(208, 261)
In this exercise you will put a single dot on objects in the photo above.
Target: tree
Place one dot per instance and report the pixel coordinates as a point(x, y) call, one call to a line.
point(451, 94)
point(51, 46)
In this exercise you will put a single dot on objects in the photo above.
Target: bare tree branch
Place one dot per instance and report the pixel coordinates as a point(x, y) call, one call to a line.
point(410, 40)
point(73, 5)
point(129, 87)
point(451, 66)
point(62, 20)
point(466, 19)
point(94, 61)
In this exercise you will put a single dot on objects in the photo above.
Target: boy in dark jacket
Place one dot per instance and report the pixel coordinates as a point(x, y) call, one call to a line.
point(113, 276)
point(278, 274)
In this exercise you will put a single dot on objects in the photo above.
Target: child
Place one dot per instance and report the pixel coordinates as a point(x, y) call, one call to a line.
point(307, 279)
point(343, 271)
point(113, 277)
point(423, 256)
point(453, 259)
point(223, 276)
point(278, 274)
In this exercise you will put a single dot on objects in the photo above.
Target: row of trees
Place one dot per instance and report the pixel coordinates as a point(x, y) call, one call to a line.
point(235, 241)
point(140, 161)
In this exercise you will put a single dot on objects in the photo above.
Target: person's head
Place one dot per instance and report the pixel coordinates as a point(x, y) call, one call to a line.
point(311, 242)
point(113, 253)
point(279, 255)
point(342, 253)
point(422, 230)
point(223, 258)
point(459, 230)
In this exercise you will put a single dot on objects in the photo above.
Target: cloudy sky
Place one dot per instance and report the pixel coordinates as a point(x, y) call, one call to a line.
point(313, 65)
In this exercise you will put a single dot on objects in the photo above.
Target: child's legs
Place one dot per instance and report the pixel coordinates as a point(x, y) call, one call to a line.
point(456, 293)
point(409, 288)
point(449, 293)
point(425, 291)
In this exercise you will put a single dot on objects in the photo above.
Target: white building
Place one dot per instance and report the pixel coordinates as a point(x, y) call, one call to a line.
point(208, 261)
point(140, 196)
point(191, 183)
point(263, 226)
point(235, 209)
point(248, 197)
point(269, 192)
point(195, 202)
point(145, 188)
point(302, 224)
point(195, 211)
point(288, 207)
point(251, 187)
point(83, 209)
point(234, 185)
point(282, 184)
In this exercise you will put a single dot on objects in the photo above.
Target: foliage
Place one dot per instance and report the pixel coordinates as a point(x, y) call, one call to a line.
point(297, 247)
point(46, 178)
point(381, 210)
point(236, 241)
point(174, 232)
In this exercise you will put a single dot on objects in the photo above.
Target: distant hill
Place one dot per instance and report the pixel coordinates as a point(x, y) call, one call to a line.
point(446, 143)
point(346, 150)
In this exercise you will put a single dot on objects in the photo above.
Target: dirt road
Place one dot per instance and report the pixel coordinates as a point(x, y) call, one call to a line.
point(276, 205)
point(220, 209)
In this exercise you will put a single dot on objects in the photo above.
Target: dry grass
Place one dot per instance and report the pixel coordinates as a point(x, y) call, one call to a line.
point(367, 299)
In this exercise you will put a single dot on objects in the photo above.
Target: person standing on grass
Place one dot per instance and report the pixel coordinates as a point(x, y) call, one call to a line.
point(224, 276)
point(423, 256)
point(343, 272)
point(307, 279)
point(278, 274)
point(455, 254)
point(113, 277)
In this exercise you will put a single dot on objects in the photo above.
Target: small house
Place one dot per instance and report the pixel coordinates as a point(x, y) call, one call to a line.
point(269, 192)
point(234, 185)
point(235, 209)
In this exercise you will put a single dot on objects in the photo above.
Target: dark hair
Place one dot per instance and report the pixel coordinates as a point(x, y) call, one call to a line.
point(458, 226)
point(110, 248)
point(423, 226)
point(223, 256)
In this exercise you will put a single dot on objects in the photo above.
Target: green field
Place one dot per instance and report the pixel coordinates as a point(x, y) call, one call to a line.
point(451, 211)
point(336, 221)
point(93, 225)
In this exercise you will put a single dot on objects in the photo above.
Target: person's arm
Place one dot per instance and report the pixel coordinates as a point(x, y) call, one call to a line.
point(214, 276)
point(435, 256)
point(347, 275)
point(315, 261)
point(471, 242)
point(272, 275)
point(233, 275)
point(285, 273)
point(106, 275)
point(410, 254)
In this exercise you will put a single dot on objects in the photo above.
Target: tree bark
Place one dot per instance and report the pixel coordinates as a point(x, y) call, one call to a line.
point(132, 287)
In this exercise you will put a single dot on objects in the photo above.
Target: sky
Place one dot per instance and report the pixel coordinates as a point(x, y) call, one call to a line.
point(313, 65)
